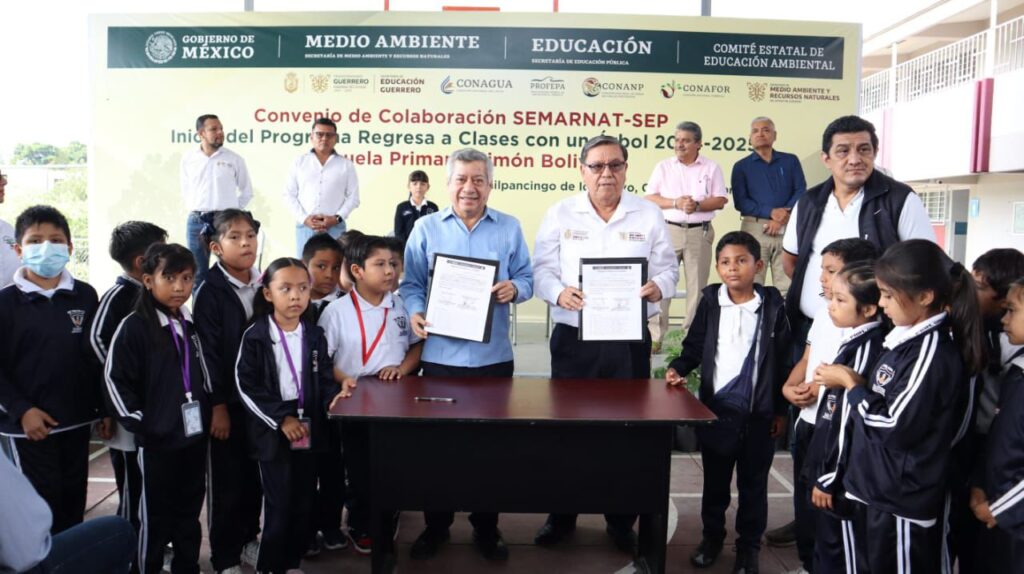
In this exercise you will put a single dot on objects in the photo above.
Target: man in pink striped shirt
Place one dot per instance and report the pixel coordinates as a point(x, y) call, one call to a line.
point(689, 188)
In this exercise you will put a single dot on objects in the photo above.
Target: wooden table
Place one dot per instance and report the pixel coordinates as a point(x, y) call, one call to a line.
point(522, 445)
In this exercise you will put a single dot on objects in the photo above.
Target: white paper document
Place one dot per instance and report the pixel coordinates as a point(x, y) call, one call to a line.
point(612, 307)
point(460, 303)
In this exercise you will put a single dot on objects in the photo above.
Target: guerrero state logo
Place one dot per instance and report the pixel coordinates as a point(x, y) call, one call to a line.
point(161, 47)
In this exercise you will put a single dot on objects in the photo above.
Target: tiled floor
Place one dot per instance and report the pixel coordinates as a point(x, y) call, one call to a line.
point(588, 550)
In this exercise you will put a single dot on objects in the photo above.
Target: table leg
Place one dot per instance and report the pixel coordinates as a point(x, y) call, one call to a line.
point(651, 543)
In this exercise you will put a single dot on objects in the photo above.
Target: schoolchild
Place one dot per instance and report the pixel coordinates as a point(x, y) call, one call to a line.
point(159, 387)
point(417, 206)
point(368, 333)
point(323, 255)
point(823, 341)
point(128, 244)
point(283, 373)
point(907, 411)
point(50, 386)
point(743, 389)
point(223, 310)
point(971, 546)
point(1000, 501)
point(853, 308)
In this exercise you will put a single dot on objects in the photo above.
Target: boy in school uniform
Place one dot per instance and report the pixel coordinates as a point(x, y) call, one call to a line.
point(128, 244)
point(50, 389)
point(368, 333)
point(823, 342)
point(324, 257)
point(740, 336)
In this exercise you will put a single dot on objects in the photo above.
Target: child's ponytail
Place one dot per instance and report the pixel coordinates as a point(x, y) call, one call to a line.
point(917, 265)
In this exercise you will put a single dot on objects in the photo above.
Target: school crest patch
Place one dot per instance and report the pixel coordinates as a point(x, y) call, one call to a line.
point(830, 407)
point(77, 317)
point(883, 376)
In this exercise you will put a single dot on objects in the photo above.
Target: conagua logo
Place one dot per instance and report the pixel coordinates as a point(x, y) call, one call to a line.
point(161, 47)
point(291, 82)
point(447, 87)
point(591, 87)
point(756, 91)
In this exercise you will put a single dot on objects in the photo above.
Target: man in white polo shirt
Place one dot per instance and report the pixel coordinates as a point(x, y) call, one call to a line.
point(9, 260)
point(322, 189)
point(689, 188)
point(603, 222)
point(213, 178)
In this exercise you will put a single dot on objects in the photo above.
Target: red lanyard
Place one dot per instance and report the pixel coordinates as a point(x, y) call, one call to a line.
point(362, 329)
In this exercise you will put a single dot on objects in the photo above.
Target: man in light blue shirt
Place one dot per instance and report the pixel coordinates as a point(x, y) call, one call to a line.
point(470, 229)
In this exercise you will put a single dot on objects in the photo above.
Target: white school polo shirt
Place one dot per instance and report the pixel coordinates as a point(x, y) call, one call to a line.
point(824, 338)
point(736, 326)
point(345, 340)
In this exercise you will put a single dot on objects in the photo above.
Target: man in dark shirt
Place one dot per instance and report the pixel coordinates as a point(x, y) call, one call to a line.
point(765, 186)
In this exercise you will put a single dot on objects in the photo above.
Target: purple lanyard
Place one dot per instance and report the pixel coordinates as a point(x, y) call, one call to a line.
point(186, 373)
point(291, 365)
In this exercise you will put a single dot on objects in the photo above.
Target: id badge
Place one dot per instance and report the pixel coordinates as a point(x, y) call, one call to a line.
point(303, 443)
point(192, 419)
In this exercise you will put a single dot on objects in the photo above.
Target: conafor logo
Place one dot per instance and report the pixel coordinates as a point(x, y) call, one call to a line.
point(161, 47)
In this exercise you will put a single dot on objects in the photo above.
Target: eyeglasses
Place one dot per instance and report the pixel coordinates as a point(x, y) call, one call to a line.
point(324, 135)
point(598, 168)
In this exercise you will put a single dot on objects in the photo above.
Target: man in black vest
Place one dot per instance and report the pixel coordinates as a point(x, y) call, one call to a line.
point(857, 201)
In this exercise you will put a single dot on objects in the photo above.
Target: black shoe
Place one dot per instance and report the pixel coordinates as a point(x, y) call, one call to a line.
point(624, 539)
point(746, 562)
point(491, 545)
point(551, 533)
point(335, 540)
point(313, 549)
point(782, 536)
point(705, 554)
point(428, 543)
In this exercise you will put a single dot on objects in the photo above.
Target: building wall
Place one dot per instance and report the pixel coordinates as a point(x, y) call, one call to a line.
point(993, 226)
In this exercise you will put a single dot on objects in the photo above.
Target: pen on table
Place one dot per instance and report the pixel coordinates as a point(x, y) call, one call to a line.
point(434, 399)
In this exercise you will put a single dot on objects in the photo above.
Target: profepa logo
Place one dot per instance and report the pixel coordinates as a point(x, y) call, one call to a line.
point(161, 47)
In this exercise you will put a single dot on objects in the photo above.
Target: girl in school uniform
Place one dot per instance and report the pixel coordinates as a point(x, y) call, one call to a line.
point(223, 309)
point(853, 308)
point(1000, 502)
point(283, 373)
point(159, 387)
point(906, 412)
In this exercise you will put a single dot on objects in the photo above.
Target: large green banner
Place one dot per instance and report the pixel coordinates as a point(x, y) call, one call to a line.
point(406, 89)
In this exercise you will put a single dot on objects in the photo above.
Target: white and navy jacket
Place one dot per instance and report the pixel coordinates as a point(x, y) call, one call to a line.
point(116, 304)
point(827, 454)
point(1004, 468)
point(904, 419)
point(774, 359)
point(258, 385)
point(144, 381)
point(44, 357)
point(221, 320)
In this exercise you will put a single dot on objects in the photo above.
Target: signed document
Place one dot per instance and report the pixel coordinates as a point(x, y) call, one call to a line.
point(459, 302)
point(612, 307)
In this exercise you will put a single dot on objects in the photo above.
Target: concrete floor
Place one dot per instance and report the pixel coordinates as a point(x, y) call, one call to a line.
point(588, 550)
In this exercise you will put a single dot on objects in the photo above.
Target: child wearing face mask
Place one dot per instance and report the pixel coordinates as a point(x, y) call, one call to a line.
point(50, 393)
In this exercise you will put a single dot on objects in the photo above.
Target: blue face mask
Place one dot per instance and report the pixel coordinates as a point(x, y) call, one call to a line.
point(45, 259)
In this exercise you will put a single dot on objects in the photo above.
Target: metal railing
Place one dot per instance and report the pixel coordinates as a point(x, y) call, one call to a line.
point(874, 91)
point(946, 67)
point(949, 66)
point(1009, 46)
